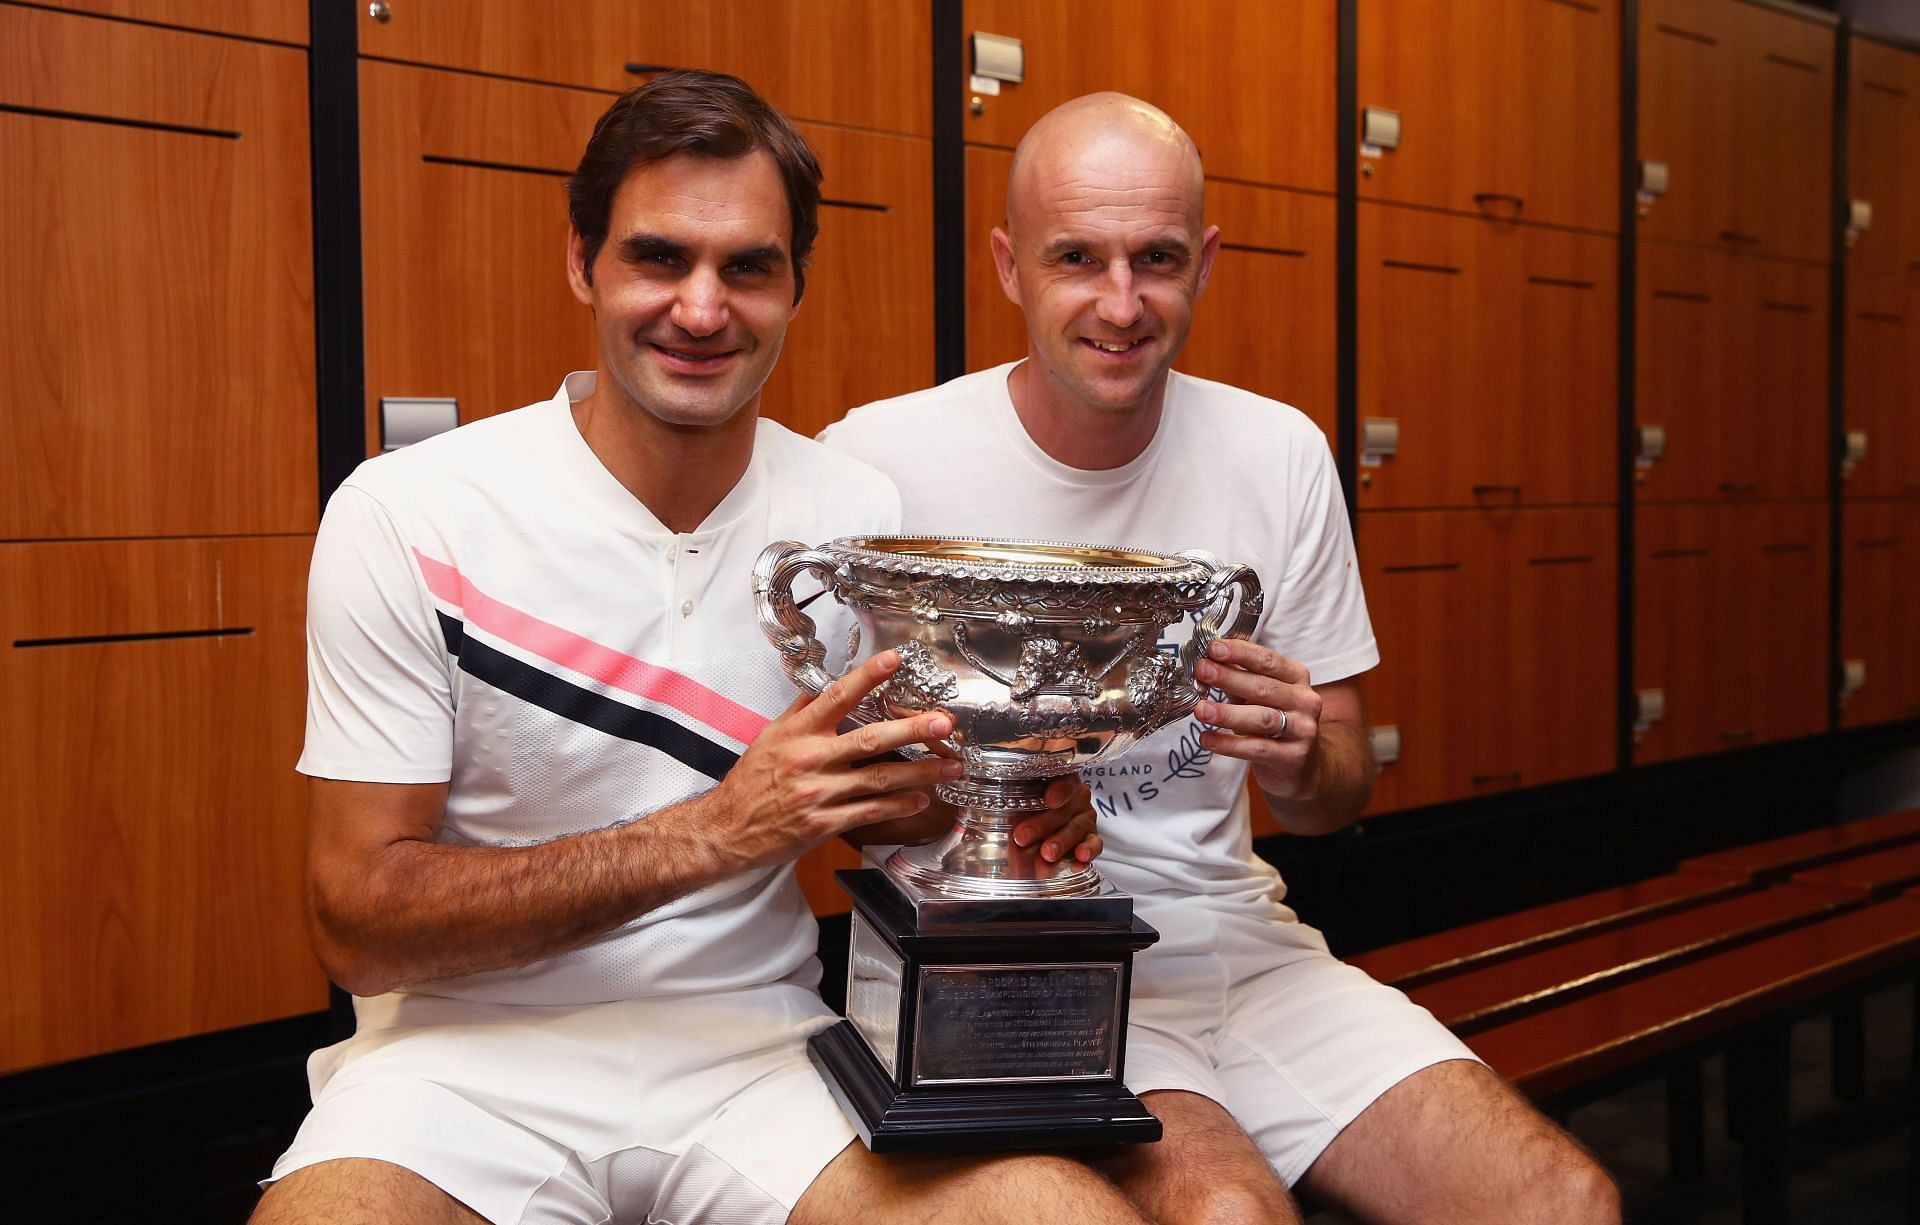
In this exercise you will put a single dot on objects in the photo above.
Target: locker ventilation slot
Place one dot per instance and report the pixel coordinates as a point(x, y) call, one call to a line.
point(1881, 317)
point(1706, 40)
point(1888, 543)
point(866, 206)
point(1571, 560)
point(115, 121)
point(1428, 568)
point(1680, 295)
point(1409, 266)
point(1260, 250)
point(85, 640)
point(1560, 282)
point(1883, 88)
point(1800, 547)
point(1791, 308)
point(471, 163)
point(1666, 554)
point(1582, 5)
point(1784, 62)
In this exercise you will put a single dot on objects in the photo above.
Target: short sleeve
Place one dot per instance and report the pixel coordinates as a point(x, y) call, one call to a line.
point(379, 686)
point(1319, 616)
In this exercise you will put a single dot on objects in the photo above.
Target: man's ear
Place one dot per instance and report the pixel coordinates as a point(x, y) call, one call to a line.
point(577, 277)
point(1002, 243)
point(1209, 248)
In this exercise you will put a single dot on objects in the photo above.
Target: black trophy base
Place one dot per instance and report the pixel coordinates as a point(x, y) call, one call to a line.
point(976, 1031)
point(972, 1118)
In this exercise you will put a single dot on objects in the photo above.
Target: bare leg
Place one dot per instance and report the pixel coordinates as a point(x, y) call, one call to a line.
point(961, 1190)
point(1454, 1142)
point(1204, 1169)
point(359, 1191)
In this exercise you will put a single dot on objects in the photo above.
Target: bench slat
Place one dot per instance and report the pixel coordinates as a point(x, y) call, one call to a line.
point(1491, 995)
point(1878, 875)
point(1763, 862)
point(1428, 958)
point(1592, 1037)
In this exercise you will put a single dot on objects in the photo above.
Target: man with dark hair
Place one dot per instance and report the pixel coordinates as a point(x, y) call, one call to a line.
point(557, 779)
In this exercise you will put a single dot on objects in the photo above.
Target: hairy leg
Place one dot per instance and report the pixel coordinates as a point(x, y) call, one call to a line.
point(961, 1190)
point(359, 1191)
point(1453, 1142)
point(1204, 1169)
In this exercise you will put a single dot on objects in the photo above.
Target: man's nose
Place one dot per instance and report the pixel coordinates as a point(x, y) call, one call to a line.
point(700, 308)
point(1119, 304)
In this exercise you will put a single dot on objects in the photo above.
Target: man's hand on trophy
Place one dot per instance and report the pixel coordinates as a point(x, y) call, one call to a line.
point(1068, 828)
point(1271, 716)
point(803, 781)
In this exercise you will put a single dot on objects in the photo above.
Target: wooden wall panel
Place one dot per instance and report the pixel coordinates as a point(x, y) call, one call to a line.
point(151, 845)
point(865, 327)
point(1737, 101)
point(1731, 624)
point(160, 287)
point(1493, 346)
point(1461, 75)
point(1732, 361)
point(1497, 648)
point(865, 63)
point(1265, 321)
point(1883, 399)
point(1880, 591)
point(1883, 130)
point(464, 238)
point(1253, 84)
point(279, 21)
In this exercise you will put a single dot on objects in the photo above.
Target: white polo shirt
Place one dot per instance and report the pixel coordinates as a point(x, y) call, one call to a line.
point(491, 608)
point(1246, 478)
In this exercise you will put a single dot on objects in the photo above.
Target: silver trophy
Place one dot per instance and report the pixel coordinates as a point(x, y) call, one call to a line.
point(986, 990)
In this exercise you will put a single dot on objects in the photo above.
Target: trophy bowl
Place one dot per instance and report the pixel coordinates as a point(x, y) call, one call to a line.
point(1047, 656)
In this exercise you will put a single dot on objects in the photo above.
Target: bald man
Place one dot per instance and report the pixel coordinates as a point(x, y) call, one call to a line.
point(1271, 1063)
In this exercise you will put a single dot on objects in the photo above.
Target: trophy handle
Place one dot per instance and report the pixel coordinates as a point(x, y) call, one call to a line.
point(1219, 600)
point(790, 630)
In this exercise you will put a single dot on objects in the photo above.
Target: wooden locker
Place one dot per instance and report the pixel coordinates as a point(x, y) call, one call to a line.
point(1265, 321)
point(1509, 108)
point(1497, 646)
point(1883, 401)
point(1732, 365)
point(1883, 130)
point(277, 21)
point(1737, 102)
point(1880, 591)
point(1492, 345)
point(160, 282)
point(150, 854)
point(1730, 625)
point(864, 63)
point(865, 327)
point(463, 187)
point(1253, 84)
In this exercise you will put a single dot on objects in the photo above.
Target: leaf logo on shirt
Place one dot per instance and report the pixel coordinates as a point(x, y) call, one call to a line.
point(1188, 757)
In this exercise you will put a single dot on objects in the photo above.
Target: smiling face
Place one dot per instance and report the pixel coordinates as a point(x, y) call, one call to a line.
point(694, 287)
point(1105, 251)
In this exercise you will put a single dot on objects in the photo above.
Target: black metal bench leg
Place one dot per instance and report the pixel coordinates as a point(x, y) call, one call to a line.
point(1849, 1020)
point(1765, 1165)
point(1687, 1121)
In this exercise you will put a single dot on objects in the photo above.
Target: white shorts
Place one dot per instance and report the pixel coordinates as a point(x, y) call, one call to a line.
point(1257, 1015)
point(675, 1110)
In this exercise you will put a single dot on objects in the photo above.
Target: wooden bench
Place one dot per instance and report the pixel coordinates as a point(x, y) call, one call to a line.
point(1780, 858)
point(1743, 997)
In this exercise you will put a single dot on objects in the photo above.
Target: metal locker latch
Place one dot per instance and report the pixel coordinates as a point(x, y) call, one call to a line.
point(1855, 453)
point(1853, 677)
point(1379, 438)
point(1380, 128)
point(1649, 707)
point(1651, 445)
point(999, 58)
point(405, 420)
point(1386, 744)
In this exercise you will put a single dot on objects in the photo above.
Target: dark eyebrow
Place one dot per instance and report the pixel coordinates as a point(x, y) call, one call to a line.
point(646, 246)
point(759, 255)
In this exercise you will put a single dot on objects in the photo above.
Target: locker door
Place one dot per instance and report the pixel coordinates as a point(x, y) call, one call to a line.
point(279, 21)
point(1261, 109)
point(1883, 129)
point(1774, 596)
point(1880, 590)
point(1687, 380)
point(1679, 553)
point(152, 828)
point(1781, 448)
point(1497, 648)
point(1510, 107)
point(159, 273)
point(1690, 98)
point(1883, 400)
point(1784, 153)
point(865, 327)
point(1492, 346)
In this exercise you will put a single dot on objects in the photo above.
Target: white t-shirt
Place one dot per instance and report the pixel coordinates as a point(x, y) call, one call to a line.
point(1243, 477)
point(493, 609)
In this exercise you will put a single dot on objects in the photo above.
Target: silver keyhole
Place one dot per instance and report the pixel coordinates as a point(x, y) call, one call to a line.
point(380, 11)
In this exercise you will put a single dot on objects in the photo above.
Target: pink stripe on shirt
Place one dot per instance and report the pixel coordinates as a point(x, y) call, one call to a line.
point(589, 658)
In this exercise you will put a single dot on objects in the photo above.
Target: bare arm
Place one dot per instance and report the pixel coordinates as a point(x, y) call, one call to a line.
point(1318, 771)
point(390, 906)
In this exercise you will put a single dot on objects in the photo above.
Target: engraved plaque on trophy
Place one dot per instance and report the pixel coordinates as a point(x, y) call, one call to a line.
point(987, 988)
